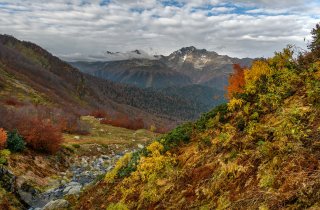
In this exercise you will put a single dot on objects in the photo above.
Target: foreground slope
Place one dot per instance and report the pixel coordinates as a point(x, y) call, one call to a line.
point(260, 151)
point(30, 73)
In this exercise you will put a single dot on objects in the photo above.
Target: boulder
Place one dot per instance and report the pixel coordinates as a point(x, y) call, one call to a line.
point(72, 189)
point(56, 204)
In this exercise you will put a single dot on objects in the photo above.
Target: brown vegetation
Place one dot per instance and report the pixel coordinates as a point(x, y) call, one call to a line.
point(121, 120)
point(3, 138)
point(99, 113)
point(41, 134)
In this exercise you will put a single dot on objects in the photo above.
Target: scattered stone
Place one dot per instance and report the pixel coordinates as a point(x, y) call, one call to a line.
point(140, 146)
point(72, 189)
point(76, 137)
point(105, 157)
point(56, 204)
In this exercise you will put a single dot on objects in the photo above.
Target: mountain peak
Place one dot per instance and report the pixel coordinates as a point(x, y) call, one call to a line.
point(137, 52)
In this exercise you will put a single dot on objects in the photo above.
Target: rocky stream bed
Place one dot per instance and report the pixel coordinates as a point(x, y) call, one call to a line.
point(82, 172)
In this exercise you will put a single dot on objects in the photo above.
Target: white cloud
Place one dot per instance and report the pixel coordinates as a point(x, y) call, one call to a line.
point(78, 28)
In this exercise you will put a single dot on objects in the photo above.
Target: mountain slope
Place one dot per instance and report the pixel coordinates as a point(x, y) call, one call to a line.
point(138, 72)
point(210, 97)
point(259, 151)
point(31, 73)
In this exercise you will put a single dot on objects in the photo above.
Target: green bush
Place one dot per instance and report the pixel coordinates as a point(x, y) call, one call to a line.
point(180, 134)
point(222, 109)
point(4, 154)
point(15, 142)
point(3, 161)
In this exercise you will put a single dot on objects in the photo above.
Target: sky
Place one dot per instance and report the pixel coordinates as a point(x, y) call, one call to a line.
point(83, 29)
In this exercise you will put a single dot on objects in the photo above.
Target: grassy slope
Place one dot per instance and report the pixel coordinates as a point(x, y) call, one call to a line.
point(106, 135)
point(11, 87)
point(263, 153)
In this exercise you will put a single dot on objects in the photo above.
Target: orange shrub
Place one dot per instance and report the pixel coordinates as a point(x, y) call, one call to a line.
point(3, 138)
point(41, 134)
point(236, 81)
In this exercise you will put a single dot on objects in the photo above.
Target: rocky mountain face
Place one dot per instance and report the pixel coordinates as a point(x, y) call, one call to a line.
point(202, 66)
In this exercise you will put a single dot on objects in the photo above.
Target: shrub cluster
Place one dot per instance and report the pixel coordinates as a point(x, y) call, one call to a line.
point(41, 127)
point(41, 135)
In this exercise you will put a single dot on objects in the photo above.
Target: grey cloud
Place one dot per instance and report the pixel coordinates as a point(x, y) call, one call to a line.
point(74, 30)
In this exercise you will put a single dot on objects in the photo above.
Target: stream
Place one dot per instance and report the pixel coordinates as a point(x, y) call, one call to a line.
point(84, 172)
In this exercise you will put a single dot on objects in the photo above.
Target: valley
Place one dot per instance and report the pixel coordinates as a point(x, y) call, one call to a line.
point(159, 105)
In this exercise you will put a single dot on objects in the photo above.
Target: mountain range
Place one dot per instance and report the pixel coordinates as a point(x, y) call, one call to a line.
point(196, 74)
point(30, 73)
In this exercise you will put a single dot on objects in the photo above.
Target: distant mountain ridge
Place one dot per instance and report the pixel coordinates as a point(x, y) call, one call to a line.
point(186, 71)
point(186, 66)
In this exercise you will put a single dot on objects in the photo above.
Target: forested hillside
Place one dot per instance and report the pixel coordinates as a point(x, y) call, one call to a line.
point(259, 151)
point(31, 74)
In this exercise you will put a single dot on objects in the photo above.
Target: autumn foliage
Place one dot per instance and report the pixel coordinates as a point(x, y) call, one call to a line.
point(41, 134)
point(3, 138)
point(236, 81)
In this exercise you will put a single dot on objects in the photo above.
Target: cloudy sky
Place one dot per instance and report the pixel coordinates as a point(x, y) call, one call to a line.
point(82, 28)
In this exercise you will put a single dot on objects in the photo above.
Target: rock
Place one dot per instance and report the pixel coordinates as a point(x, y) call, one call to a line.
point(76, 137)
point(7, 179)
point(140, 146)
point(72, 189)
point(105, 157)
point(56, 204)
point(27, 193)
point(73, 184)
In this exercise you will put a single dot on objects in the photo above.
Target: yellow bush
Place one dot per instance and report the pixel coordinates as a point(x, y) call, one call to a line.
point(154, 171)
point(117, 206)
point(235, 103)
point(155, 148)
point(111, 175)
point(258, 69)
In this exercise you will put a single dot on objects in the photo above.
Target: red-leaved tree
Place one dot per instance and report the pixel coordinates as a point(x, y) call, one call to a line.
point(236, 81)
